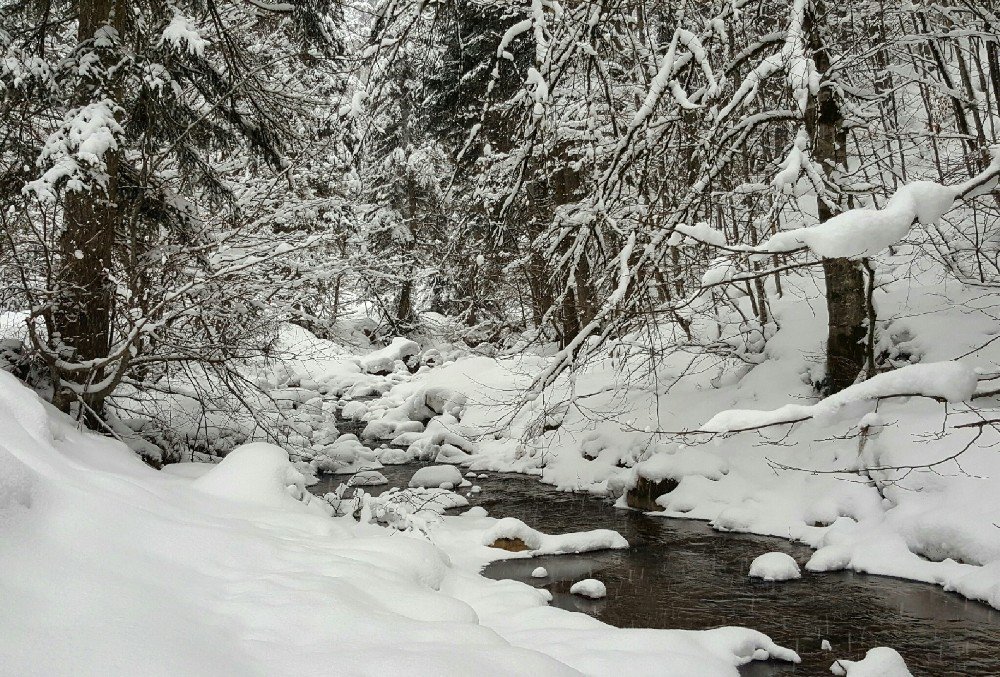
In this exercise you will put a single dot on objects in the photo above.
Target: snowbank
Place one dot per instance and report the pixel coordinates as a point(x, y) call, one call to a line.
point(123, 569)
point(934, 525)
point(255, 473)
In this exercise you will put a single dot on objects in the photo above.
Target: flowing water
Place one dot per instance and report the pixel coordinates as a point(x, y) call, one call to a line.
point(682, 574)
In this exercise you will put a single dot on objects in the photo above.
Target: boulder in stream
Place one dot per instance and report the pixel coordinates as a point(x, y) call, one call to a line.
point(645, 492)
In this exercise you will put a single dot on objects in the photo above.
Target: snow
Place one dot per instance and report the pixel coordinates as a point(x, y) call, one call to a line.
point(182, 35)
point(255, 473)
point(701, 232)
point(950, 381)
point(858, 233)
point(825, 645)
point(384, 361)
point(934, 526)
point(589, 587)
point(346, 456)
point(76, 150)
point(539, 572)
point(539, 543)
point(774, 566)
point(126, 567)
point(878, 662)
point(367, 478)
point(680, 463)
point(436, 476)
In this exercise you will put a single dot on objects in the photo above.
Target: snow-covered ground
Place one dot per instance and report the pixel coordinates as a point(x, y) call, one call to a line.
point(112, 567)
point(201, 569)
point(875, 482)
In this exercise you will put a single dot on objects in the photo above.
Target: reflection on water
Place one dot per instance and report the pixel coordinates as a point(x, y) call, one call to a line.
point(682, 574)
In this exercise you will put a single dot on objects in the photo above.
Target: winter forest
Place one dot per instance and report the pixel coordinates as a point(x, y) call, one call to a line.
point(513, 337)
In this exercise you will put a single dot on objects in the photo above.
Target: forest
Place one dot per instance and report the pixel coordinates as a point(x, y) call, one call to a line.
point(504, 337)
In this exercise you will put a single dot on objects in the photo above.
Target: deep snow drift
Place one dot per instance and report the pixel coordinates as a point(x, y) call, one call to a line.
point(111, 567)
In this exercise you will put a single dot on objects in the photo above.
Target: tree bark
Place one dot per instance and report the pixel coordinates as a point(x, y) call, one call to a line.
point(82, 312)
point(845, 282)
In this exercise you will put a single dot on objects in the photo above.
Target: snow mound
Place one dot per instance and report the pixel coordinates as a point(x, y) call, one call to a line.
point(191, 470)
point(257, 473)
point(774, 566)
point(590, 587)
point(553, 544)
point(391, 456)
point(878, 662)
point(434, 476)
point(539, 572)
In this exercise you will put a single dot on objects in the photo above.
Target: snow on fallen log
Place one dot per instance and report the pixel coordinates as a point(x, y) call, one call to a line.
point(948, 381)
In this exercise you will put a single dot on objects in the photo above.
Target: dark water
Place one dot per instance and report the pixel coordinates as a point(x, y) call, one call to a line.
point(682, 574)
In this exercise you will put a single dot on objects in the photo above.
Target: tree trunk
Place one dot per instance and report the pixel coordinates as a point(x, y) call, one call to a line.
point(82, 312)
point(845, 282)
point(404, 305)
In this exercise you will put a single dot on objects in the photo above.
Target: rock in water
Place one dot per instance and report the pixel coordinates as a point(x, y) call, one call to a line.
point(510, 544)
point(590, 587)
point(645, 492)
point(774, 566)
point(433, 476)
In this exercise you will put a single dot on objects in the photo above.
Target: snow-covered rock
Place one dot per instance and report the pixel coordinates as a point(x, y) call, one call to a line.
point(392, 456)
point(511, 529)
point(539, 572)
point(257, 473)
point(421, 499)
point(589, 587)
point(684, 462)
point(774, 566)
point(367, 478)
point(881, 661)
point(434, 476)
point(346, 456)
point(383, 361)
